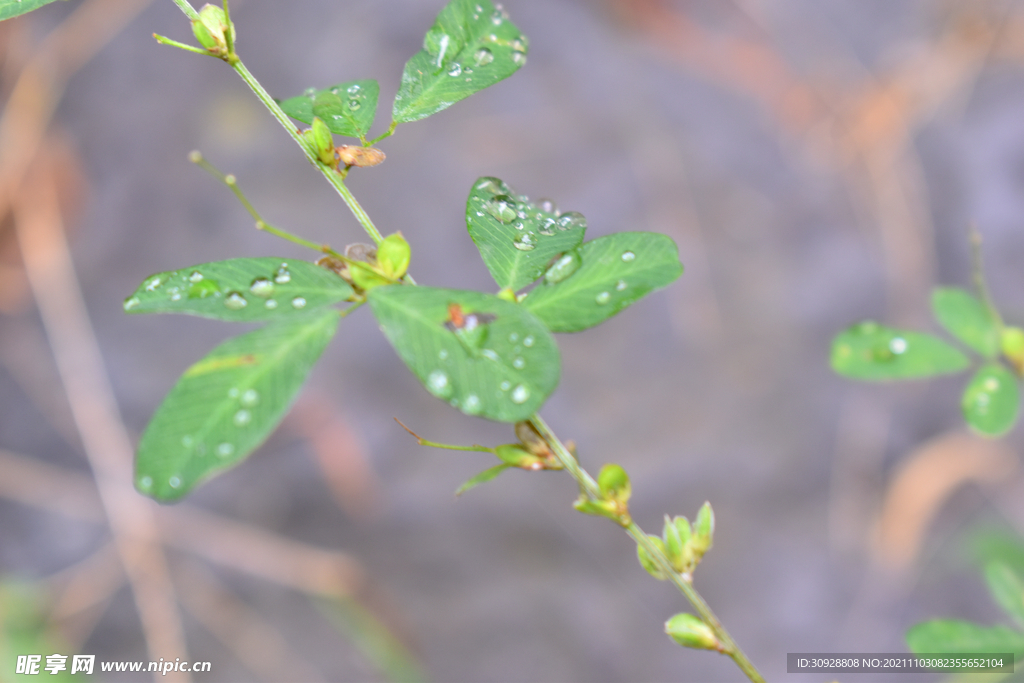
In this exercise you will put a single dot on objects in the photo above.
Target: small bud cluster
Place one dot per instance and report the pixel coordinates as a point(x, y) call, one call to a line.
point(684, 545)
point(531, 453)
point(366, 267)
point(215, 32)
point(613, 483)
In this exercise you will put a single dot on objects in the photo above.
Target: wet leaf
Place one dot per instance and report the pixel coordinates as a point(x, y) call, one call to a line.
point(483, 355)
point(991, 400)
point(471, 46)
point(12, 8)
point(967, 319)
point(226, 405)
point(517, 238)
point(482, 478)
point(954, 636)
point(347, 108)
point(1006, 589)
point(874, 352)
point(240, 290)
point(616, 271)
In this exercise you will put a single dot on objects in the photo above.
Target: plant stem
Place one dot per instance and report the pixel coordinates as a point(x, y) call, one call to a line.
point(683, 582)
point(978, 270)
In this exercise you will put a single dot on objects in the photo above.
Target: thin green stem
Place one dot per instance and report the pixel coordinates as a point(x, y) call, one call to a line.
point(684, 582)
point(386, 134)
point(185, 7)
point(978, 270)
point(447, 446)
point(164, 40)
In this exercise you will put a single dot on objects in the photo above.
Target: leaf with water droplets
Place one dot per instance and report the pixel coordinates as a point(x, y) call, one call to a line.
point(967, 319)
point(471, 46)
point(347, 108)
point(874, 352)
point(226, 405)
point(240, 290)
point(518, 239)
point(615, 271)
point(991, 400)
point(12, 8)
point(948, 636)
point(484, 355)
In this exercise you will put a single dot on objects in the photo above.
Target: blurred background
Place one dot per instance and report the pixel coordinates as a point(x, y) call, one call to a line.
point(818, 162)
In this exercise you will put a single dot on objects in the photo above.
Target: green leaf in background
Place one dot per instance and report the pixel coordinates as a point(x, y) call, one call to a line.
point(240, 290)
point(471, 45)
point(954, 636)
point(483, 355)
point(12, 8)
point(1006, 589)
point(616, 271)
point(25, 630)
point(225, 405)
point(870, 351)
point(967, 319)
point(516, 238)
point(347, 108)
point(482, 478)
point(991, 400)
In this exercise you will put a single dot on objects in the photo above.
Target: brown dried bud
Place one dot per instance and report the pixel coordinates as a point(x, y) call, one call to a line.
point(353, 155)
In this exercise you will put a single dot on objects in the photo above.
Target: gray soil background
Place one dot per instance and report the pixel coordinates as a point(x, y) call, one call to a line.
point(744, 130)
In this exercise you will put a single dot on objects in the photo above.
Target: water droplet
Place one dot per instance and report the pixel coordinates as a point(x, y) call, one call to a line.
point(572, 220)
point(225, 449)
point(519, 58)
point(235, 301)
point(620, 285)
point(602, 298)
point(309, 92)
point(519, 44)
point(203, 289)
point(528, 341)
point(472, 405)
point(991, 384)
point(520, 394)
point(438, 384)
point(196, 276)
point(502, 207)
point(490, 354)
point(514, 337)
point(298, 302)
point(506, 385)
point(233, 392)
point(353, 89)
point(262, 287)
point(186, 441)
point(628, 256)
point(153, 284)
point(354, 104)
point(131, 302)
point(270, 303)
point(520, 226)
point(564, 266)
point(250, 397)
point(496, 18)
point(548, 227)
point(492, 185)
point(483, 56)
point(455, 69)
point(898, 345)
point(175, 294)
point(175, 482)
point(442, 354)
point(146, 483)
point(518, 363)
point(283, 276)
point(242, 418)
point(524, 242)
point(548, 205)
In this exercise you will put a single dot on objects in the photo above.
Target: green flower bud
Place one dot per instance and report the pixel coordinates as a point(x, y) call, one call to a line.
point(1012, 343)
point(703, 530)
point(366, 277)
point(614, 483)
point(517, 456)
point(507, 294)
point(531, 439)
point(211, 29)
point(323, 142)
point(647, 562)
point(393, 255)
point(599, 508)
point(689, 631)
point(677, 537)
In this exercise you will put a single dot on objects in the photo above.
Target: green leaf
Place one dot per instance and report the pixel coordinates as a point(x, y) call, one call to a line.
point(240, 290)
point(991, 400)
point(516, 238)
point(12, 8)
point(471, 46)
point(967, 319)
point(483, 355)
point(1006, 589)
point(482, 478)
point(869, 351)
point(225, 405)
point(616, 271)
point(954, 636)
point(347, 108)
